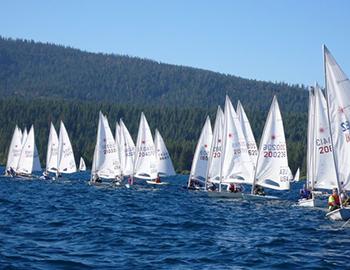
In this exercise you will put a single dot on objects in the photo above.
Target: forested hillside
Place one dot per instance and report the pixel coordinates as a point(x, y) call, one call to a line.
point(41, 82)
point(31, 70)
point(180, 128)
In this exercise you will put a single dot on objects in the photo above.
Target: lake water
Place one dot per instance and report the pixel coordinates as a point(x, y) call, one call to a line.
point(70, 225)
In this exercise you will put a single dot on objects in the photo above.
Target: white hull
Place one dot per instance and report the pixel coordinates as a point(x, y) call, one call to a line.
point(252, 197)
point(311, 203)
point(155, 183)
point(339, 214)
point(225, 194)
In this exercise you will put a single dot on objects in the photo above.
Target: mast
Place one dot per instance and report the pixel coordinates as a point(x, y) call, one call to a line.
point(330, 126)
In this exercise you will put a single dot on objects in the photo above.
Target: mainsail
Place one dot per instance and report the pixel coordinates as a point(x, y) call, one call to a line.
point(127, 150)
point(200, 158)
point(215, 154)
point(105, 161)
point(82, 166)
point(272, 169)
point(15, 149)
point(145, 161)
point(237, 166)
point(164, 164)
point(52, 150)
point(66, 162)
point(248, 133)
point(338, 99)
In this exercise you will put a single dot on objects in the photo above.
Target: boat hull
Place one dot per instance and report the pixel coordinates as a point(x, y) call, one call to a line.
point(311, 203)
point(155, 183)
point(252, 197)
point(225, 194)
point(339, 214)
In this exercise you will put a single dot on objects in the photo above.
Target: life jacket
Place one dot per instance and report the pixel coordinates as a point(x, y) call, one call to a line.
point(333, 199)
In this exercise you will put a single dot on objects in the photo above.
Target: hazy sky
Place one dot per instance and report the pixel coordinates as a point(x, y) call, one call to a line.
point(273, 40)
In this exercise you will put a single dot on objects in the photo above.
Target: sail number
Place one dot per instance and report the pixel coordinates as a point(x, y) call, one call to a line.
point(325, 149)
point(275, 154)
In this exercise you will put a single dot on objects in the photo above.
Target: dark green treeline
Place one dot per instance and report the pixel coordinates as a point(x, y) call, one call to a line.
point(180, 128)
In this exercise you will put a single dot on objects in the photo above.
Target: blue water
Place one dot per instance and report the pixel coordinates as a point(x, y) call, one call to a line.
point(70, 225)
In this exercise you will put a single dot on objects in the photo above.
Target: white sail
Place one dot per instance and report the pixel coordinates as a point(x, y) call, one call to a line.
point(324, 169)
point(272, 169)
point(106, 162)
point(29, 158)
point(82, 166)
point(248, 133)
point(24, 135)
point(215, 154)
point(15, 149)
point(200, 159)
point(237, 166)
point(117, 142)
point(66, 162)
point(338, 98)
point(164, 164)
point(52, 150)
point(127, 150)
point(145, 160)
point(297, 175)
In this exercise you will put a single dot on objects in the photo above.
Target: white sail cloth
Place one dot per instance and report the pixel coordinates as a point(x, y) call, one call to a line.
point(272, 170)
point(200, 158)
point(66, 162)
point(338, 97)
point(15, 149)
point(127, 150)
point(164, 164)
point(145, 166)
point(52, 150)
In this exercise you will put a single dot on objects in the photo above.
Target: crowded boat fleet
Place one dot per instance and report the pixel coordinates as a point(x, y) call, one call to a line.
point(227, 162)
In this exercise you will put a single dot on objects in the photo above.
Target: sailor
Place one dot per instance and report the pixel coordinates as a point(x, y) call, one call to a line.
point(333, 200)
point(259, 190)
point(305, 193)
point(212, 187)
point(232, 187)
point(158, 179)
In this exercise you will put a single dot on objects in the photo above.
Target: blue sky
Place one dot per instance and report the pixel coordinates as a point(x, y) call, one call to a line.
point(272, 40)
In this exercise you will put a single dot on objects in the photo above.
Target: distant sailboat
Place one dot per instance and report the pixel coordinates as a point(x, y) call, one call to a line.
point(105, 164)
point(127, 150)
point(272, 170)
point(297, 175)
point(29, 159)
point(164, 165)
point(52, 151)
point(24, 135)
point(338, 100)
point(145, 166)
point(200, 159)
point(82, 166)
point(66, 162)
point(14, 152)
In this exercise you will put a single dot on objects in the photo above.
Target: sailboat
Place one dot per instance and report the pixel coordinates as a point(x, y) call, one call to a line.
point(164, 164)
point(82, 166)
point(145, 166)
point(29, 159)
point(248, 133)
point(272, 170)
point(338, 100)
point(200, 159)
point(127, 150)
point(236, 165)
point(320, 165)
point(66, 162)
point(105, 164)
point(14, 152)
point(52, 152)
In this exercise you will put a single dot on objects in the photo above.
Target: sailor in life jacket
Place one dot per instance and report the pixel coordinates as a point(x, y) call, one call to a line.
point(333, 200)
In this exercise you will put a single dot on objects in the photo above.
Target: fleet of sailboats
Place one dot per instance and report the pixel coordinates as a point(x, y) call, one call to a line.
point(225, 157)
